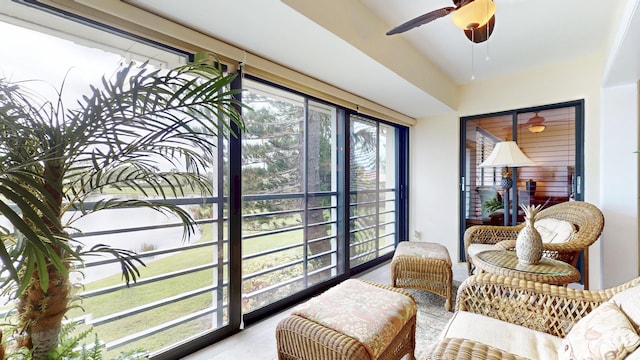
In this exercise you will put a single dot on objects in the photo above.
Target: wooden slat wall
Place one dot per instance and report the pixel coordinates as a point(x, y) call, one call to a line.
point(553, 151)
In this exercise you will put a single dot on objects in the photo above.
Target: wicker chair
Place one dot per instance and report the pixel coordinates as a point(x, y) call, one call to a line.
point(586, 218)
point(546, 308)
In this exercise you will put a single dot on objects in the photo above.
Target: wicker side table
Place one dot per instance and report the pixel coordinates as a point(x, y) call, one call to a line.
point(425, 266)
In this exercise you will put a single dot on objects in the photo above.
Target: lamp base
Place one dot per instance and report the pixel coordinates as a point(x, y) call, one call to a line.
point(506, 183)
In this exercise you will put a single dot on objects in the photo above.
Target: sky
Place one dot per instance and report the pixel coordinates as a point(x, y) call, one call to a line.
point(30, 55)
point(43, 63)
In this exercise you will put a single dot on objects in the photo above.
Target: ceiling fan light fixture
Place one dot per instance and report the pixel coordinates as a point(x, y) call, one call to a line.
point(535, 123)
point(537, 128)
point(475, 14)
point(482, 33)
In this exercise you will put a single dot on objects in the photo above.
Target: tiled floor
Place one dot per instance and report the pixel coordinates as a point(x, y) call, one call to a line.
point(258, 342)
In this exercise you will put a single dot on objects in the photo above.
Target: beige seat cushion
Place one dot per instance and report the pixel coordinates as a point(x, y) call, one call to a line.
point(474, 249)
point(505, 336)
point(423, 250)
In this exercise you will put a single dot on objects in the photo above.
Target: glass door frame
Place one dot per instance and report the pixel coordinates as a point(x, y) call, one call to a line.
point(400, 193)
point(578, 105)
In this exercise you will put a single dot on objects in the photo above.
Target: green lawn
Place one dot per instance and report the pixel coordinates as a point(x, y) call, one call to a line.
point(128, 298)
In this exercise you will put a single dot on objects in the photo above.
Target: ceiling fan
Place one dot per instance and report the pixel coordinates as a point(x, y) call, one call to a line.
point(475, 17)
point(534, 124)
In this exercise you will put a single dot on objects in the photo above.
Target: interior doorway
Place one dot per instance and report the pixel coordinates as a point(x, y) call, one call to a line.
point(551, 136)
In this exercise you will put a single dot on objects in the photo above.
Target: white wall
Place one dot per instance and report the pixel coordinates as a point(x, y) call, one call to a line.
point(435, 145)
point(434, 181)
point(619, 184)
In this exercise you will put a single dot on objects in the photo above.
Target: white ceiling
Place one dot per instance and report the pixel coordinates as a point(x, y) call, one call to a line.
point(528, 34)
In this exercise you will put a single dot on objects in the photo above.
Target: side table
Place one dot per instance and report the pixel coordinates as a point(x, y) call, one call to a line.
point(502, 262)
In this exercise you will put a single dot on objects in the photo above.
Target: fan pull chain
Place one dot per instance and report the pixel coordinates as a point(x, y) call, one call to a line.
point(473, 70)
point(486, 57)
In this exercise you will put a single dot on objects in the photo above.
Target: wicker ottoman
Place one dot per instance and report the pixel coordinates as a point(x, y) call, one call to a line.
point(425, 266)
point(352, 320)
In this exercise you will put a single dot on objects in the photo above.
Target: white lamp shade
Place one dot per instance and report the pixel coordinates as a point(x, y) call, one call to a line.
point(507, 153)
point(474, 15)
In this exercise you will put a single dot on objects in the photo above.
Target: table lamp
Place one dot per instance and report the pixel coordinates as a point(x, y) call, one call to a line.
point(507, 154)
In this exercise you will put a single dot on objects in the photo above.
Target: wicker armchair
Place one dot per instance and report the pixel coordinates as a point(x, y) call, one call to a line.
point(586, 218)
point(546, 308)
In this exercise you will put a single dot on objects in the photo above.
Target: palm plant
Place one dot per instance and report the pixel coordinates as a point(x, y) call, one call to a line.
point(55, 159)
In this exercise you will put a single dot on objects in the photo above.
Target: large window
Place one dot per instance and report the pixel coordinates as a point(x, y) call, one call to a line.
point(289, 180)
point(321, 199)
point(182, 291)
point(296, 231)
point(373, 190)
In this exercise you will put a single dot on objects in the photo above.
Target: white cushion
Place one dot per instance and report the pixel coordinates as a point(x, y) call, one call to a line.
point(554, 231)
point(629, 302)
point(505, 336)
point(605, 333)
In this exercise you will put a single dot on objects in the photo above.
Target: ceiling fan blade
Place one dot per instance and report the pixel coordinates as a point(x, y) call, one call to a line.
point(421, 20)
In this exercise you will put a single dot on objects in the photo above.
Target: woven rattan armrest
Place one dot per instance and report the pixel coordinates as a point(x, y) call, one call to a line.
point(488, 234)
point(465, 349)
point(547, 308)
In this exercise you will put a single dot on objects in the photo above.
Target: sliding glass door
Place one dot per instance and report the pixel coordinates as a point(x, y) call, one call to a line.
point(289, 181)
point(551, 136)
point(373, 192)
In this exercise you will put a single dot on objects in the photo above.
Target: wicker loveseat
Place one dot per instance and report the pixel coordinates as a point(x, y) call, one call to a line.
point(505, 318)
point(585, 219)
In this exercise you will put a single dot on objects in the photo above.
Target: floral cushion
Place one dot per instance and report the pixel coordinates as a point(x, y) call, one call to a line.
point(427, 250)
point(372, 315)
point(629, 302)
point(605, 333)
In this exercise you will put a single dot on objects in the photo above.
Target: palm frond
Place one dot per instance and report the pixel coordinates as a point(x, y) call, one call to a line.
point(127, 258)
point(123, 134)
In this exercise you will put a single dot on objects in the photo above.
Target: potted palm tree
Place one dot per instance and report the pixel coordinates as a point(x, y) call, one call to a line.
point(54, 158)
